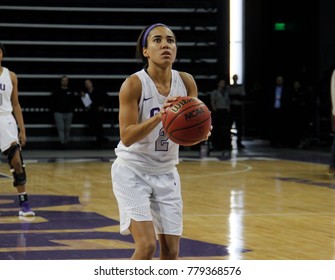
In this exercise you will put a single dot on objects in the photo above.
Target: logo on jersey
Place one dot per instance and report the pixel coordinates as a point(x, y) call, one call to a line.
point(145, 99)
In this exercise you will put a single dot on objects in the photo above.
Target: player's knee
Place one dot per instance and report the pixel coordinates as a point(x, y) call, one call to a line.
point(16, 165)
point(20, 179)
point(169, 253)
point(146, 249)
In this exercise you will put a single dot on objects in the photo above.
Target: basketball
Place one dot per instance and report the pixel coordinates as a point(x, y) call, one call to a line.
point(187, 121)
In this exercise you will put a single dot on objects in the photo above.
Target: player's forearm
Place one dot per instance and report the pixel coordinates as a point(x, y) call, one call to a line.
point(19, 118)
point(136, 132)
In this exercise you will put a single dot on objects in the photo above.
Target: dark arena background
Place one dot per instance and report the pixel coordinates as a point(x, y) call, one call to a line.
point(96, 40)
point(256, 203)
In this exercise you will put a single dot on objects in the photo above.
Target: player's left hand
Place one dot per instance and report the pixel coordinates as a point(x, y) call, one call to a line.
point(209, 133)
point(22, 139)
point(168, 103)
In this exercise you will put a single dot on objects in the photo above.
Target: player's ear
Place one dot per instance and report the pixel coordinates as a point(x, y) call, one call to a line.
point(145, 52)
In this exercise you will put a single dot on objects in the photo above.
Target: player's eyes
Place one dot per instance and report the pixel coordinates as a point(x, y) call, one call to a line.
point(169, 40)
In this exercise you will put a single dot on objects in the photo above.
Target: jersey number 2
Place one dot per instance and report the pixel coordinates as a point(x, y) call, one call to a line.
point(161, 143)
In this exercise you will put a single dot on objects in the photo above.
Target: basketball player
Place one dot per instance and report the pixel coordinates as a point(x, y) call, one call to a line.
point(12, 132)
point(145, 180)
point(331, 170)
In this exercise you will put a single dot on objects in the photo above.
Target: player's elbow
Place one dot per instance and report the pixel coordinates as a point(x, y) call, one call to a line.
point(128, 135)
point(126, 143)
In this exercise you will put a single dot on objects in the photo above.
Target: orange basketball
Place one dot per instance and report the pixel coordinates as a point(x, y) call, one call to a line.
point(187, 121)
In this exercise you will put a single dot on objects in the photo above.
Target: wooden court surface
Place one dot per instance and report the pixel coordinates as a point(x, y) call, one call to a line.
point(246, 207)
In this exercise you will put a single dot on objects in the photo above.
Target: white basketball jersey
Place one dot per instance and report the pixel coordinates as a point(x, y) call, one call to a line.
point(155, 153)
point(6, 88)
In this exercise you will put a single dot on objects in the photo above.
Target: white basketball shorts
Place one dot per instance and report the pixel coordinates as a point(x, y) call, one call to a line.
point(8, 131)
point(143, 197)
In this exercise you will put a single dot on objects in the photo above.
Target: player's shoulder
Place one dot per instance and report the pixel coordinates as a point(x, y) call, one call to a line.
point(189, 82)
point(132, 81)
point(131, 85)
point(186, 77)
point(7, 69)
point(11, 73)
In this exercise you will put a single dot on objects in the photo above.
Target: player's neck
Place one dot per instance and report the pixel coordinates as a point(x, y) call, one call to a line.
point(159, 75)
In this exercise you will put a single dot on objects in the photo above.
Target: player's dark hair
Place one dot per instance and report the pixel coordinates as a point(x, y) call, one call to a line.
point(139, 54)
point(2, 47)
